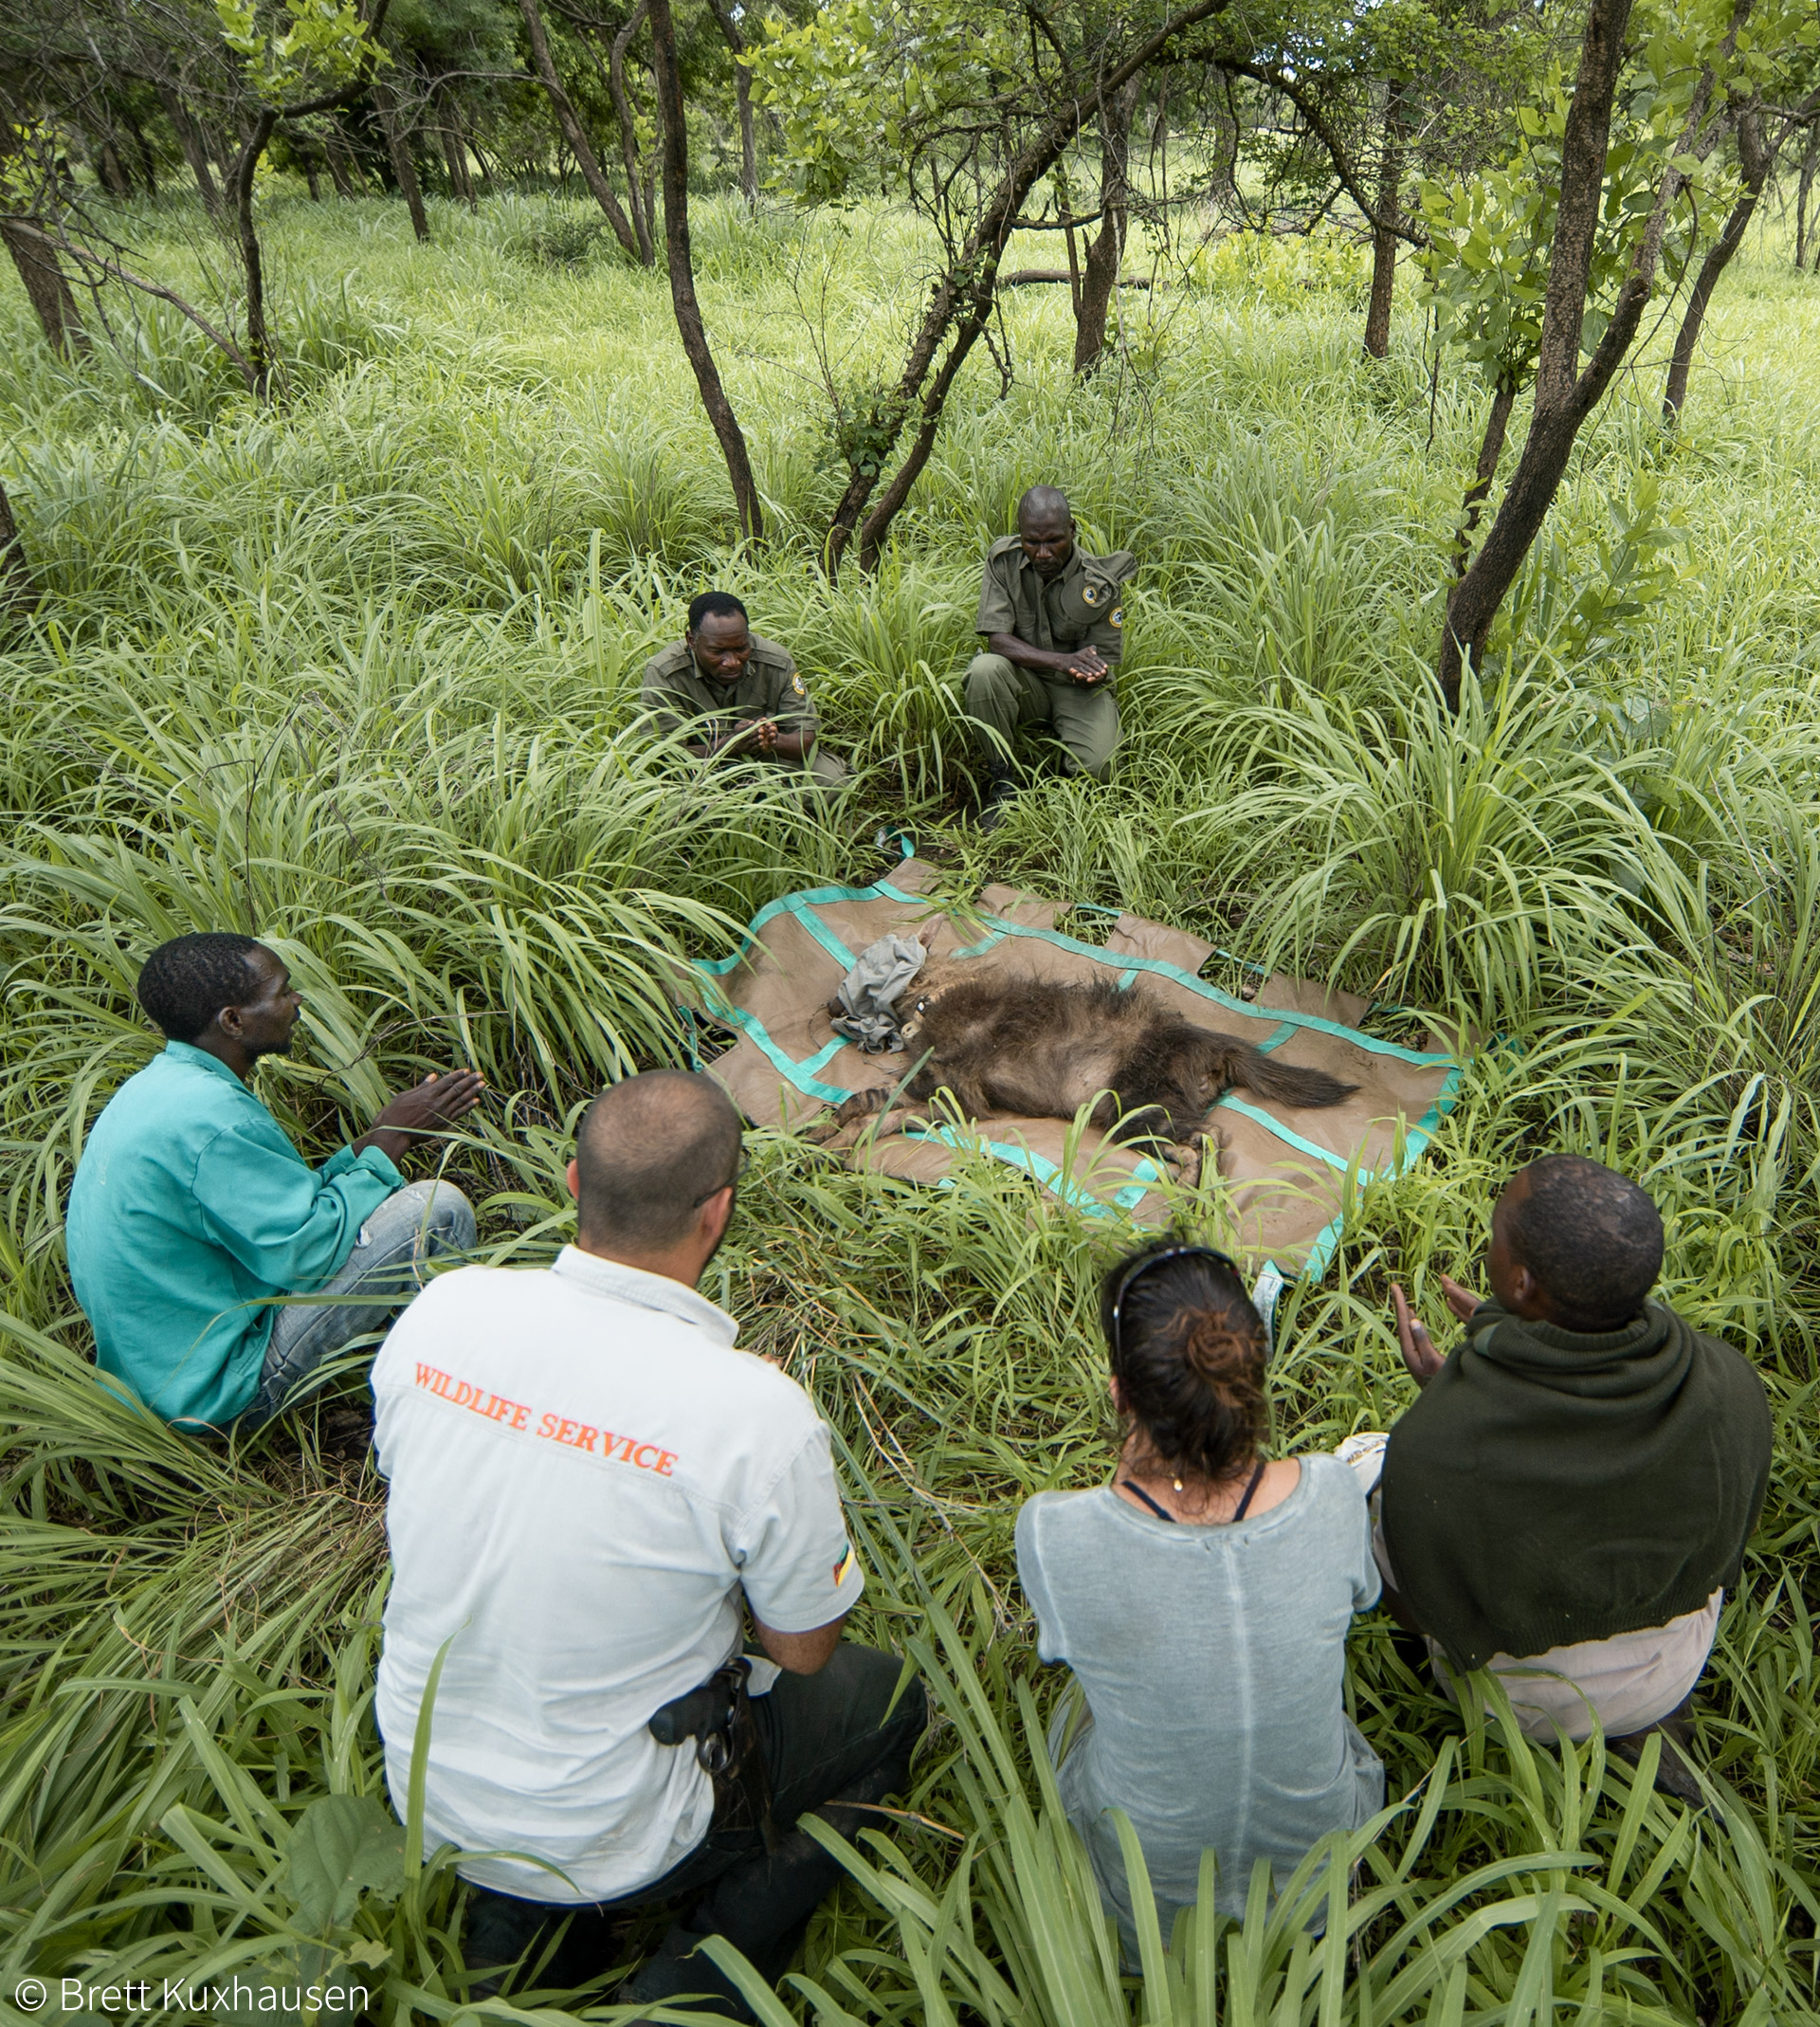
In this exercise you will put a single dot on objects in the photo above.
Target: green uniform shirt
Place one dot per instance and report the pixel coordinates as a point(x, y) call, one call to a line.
point(189, 1213)
point(1082, 606)
point(677, 695)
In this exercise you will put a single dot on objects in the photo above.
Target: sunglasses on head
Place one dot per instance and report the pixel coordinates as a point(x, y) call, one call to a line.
point(1139, 1268)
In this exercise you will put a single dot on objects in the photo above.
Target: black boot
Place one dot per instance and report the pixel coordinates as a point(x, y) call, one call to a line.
point(1001, 790)
point(1674, 1774)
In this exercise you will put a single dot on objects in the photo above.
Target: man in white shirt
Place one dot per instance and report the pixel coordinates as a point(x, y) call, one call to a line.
point(586, 1477)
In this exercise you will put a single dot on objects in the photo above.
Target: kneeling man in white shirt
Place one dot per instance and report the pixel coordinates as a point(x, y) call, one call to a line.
point(587, 1479)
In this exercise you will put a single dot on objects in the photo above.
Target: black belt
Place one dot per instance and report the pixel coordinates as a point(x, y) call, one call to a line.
point(717, 1716)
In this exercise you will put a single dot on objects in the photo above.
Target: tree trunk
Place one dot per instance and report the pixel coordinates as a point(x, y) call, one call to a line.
point(683, 297)
point(1754, 158)
point(1489, 453)
point(15, 573)
point(641, 208)
point(569, 120)
point(1106, 252)
point(259, 339)
point(1566, 395)
point(959, 305)
point(742, 99)
point(305, 153)
point(1390, 205)
point(48, 288)
point(391, 125)
point(460, 182)
point(112, 170)
point(342, 170)
point(193, 151)
point(147, 162)
point(1810, 161)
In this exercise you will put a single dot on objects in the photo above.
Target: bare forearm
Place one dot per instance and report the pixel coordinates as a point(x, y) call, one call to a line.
point(801, 1653)
point(1022, 655)
point(391, 1144)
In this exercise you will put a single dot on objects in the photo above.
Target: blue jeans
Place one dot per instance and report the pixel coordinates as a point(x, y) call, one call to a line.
point(378, 1277)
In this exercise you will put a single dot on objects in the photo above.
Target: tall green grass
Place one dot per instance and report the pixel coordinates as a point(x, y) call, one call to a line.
point(359, 674)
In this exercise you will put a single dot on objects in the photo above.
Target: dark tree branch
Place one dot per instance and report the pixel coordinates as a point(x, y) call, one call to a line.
point(1565, 393)
point(683, 296)
point(573, 131)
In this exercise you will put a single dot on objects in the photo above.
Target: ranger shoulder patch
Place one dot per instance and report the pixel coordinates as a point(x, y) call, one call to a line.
point(796, 683)
point(1091, 593)
point(1117, 616)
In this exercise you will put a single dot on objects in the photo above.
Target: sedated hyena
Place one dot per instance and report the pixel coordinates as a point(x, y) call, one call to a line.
point(1042, 1049)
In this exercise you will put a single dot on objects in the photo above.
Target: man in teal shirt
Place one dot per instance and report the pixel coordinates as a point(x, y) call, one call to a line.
point(192, 1218)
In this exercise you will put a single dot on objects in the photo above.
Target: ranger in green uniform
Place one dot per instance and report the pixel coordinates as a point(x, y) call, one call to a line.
point(736, 693)
point(1054, 618)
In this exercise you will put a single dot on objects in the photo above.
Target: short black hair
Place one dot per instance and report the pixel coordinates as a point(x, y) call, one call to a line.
point(1043, 500)
point(1591, 1237)
point(651, 1150)
point(187, 981)
point(705, 604)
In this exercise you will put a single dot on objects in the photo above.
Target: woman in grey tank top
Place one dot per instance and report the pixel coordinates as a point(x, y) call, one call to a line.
point(1202, 1599)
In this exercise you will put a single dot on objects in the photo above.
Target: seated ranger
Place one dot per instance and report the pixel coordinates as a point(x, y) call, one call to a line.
point(1053, 620)
point(1571, 1492)
point(737, 694)
point(192, 1220)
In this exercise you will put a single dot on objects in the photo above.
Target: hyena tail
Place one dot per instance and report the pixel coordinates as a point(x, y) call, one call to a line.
point(1286, 1083)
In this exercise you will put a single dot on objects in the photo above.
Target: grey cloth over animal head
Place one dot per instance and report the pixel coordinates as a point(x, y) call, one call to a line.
point(871, 990)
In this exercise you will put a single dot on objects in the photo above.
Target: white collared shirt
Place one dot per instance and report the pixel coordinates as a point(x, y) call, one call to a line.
point(584, 1475)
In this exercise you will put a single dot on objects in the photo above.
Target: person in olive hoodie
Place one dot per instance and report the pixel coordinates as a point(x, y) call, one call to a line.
point(1569, 1498)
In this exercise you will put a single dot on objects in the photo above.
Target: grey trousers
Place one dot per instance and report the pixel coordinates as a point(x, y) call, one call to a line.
point(378, 1277)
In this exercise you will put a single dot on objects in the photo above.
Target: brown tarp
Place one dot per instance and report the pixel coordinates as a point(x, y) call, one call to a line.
point(1284, 1170)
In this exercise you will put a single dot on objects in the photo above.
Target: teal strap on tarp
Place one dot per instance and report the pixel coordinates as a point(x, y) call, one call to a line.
point(1050, 1174)
point(1414, 1141)
point(1001, 929)
point(804, 1075)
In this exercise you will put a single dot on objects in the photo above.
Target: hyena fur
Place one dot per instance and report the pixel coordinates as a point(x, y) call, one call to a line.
point(1042, 1049)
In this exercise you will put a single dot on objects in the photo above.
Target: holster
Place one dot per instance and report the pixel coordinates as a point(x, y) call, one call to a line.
point(717, 1716)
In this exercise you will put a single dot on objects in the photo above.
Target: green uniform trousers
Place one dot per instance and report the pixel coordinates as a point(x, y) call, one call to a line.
point(1008, 699)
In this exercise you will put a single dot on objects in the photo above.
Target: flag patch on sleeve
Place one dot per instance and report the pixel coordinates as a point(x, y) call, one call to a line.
point(845, 1566)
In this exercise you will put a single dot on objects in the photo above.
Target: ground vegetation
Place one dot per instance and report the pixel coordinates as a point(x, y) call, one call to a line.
point(354, 668)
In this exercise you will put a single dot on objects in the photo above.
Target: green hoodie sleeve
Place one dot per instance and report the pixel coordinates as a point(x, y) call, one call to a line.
point(286, 1223)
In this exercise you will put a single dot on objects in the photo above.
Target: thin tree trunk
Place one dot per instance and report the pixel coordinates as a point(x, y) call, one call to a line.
point(147, 162)
point(683, 297)
point(193, 151)
point(1566, 396)
point(959, 305)
point(1490, 450)
point(1810, 161)
point(391, 125)
point(259, 339)
point(112, 170)
point(570, 122)
point(48, 288)
point(1390, 205)
point(341, 168)
point(642, 211)
point(461, 180)
point(305, 153)
point(1106, 252)
point(15, 573)
point(742, 99)
point(1754, 158)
